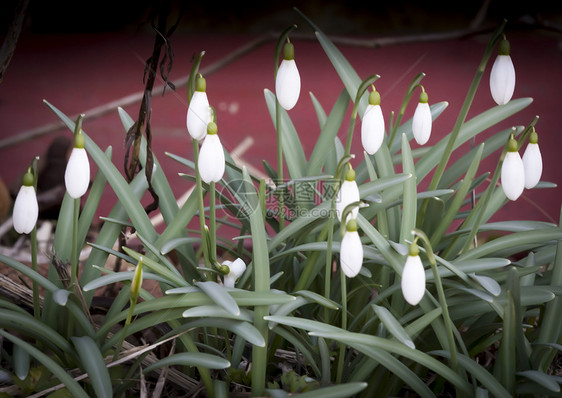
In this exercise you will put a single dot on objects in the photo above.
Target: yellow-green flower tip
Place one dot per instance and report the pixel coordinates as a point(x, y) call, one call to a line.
point(512, 145)
point(504, 47)
point(224, 269)
point(288, 51)
point(212, 128)
point(414, 250)
point(200, 83)
point(424, 98)
point(350, 175)
point(374, 98)
point(28, 179)
point(351, 225)
point(79, 141)
point(534, 138)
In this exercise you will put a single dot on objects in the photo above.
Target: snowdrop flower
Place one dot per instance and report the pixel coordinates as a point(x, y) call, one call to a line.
point(236, 269)
point(77, 173)
point(348, 193)
point(502, 76)
point(26, 209)
point(199, 111)
point(351, 250)
point(532, 162)
point(211, 157)
point(421, 124)
point(372, 127)
point(413, 277)
point(513, 172)
point(288, 81)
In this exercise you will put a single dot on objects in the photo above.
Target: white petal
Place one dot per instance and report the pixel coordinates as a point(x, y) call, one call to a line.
point(288, 84)
point(513, 175)
point(502, 79)
point(211, 159)
point(413, 280)
point(77, 173)
point(198, 115)
point(348, 193)
point(237, 268)
point(372, 129)
point(532, 162)
point(421, 124)
point(26, 210)
point(351, 254)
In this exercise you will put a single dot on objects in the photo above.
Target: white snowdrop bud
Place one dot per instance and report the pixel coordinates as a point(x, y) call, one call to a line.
point(372, 127)
point(236, 269)
point(288, 81)
point(532, 162)
point(513, 172)
point(347, 194)
point(26, 208)
point(413, 277)
point(77, 173)
point(199, 111)
point(502, 76)
point(351, 250)
point(421, 124)
point(211, 161)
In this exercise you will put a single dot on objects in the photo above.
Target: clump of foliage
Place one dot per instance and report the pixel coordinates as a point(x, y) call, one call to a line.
point(316, 301)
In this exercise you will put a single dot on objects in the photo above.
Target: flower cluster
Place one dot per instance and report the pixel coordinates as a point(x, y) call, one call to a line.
point(201, 127)
point(519, 173)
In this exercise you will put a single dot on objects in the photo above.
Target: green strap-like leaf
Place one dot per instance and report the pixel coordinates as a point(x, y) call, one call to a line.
point(53, 366)
point(190, 359)
point(92, 361)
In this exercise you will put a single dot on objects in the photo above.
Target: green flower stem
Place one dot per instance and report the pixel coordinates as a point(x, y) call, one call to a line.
point(75, 254)
point(36, 304)
point(360, 91)
point(328, 268)
point(441, 166)
point(441, 294)
point(280, 198)
point(212, 223)
point(341, 355)
point(475, 217)
point(199, 188)
point(393, 127)
point(278, 49)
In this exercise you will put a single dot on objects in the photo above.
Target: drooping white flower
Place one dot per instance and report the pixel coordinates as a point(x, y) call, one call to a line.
point(26, 208)
point(347, 194)
point(351, 250)
point(513, 172)
point(288, 80)
point(421, 123)
point(532, 162)
point(372, 127)
point(502, 76)
point(211, 161)
point(199, 111)
point(413, 277)
point(237, 268)
point(77, 173)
